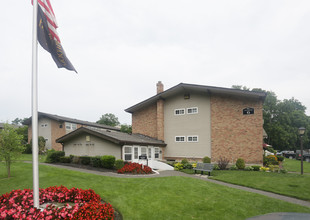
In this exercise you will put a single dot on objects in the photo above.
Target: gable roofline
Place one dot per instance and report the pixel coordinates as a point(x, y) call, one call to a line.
point(116, 137)
point(184, 87)
point(71, 120)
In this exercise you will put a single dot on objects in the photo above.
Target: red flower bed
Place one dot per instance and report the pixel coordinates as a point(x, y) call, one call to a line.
point(18, 204)
point(135, 168)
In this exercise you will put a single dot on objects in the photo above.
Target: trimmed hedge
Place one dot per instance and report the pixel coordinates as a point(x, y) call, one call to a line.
point(85, 160)
point(54, 156)
point(108, 161)
point(76, 160)
point(95, 161)
point(119, 164)
point(65, 160)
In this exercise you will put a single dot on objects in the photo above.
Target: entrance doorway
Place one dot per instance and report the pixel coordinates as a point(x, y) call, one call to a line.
point(141, 154)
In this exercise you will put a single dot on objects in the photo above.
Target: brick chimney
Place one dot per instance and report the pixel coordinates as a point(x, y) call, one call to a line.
point(160, 113)
point(160, 87)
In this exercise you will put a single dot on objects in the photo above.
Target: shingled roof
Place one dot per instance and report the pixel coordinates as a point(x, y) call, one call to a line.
point(186, 88)
point(71, 120)
point(113, 136)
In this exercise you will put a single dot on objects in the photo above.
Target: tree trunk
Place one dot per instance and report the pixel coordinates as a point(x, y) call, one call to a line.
point(8, 168)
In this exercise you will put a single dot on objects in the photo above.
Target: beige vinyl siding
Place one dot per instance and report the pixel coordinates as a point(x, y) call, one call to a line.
point(197, 124)
point(95, 147)
point(45, 130)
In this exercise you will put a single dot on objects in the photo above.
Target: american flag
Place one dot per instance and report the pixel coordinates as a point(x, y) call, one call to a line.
point(47, 9)
point(48, 36)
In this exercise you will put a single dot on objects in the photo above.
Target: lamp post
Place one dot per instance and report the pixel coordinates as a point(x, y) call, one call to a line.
point(301, 132)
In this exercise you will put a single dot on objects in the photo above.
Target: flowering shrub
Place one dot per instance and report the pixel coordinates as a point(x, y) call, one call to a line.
point(135, 168)
point(178, 166)
point(194, 165)
point(274, 168)
point(18, 204)
point(270, 160)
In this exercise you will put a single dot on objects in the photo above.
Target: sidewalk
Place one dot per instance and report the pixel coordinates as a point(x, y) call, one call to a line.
point(167, 173)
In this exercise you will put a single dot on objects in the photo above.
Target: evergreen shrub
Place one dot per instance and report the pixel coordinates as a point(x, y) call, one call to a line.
point(240, 164)
point(256, 167)
point(76, 159)
point(206, 160)
point(85, 160)
point(119, 164)
point(65, 160)
point(54, 156)
point(108, 161)
point(95, 161)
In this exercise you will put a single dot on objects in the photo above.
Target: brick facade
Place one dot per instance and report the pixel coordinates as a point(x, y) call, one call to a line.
point(234, 135)
point(160, 120)
point(56, 132)
point(144, 121)
point(149, 121)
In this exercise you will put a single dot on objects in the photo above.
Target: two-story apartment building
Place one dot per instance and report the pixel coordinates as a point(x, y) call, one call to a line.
point(52, 127)
point(196, 121)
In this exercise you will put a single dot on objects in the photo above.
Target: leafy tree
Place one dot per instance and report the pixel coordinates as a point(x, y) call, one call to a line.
point(24, 132)
point(18, 121)
point(240, 87)
point(126, 128)
point(10, 146)
point(108, 119)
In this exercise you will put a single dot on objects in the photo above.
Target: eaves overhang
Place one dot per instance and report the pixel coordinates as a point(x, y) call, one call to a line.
point(186, 88)
point(112, 136)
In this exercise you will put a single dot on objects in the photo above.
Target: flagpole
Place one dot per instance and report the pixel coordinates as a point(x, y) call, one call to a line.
point(35, 166)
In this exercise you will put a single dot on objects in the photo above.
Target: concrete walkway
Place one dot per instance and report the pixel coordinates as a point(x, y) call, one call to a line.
point(166, 173)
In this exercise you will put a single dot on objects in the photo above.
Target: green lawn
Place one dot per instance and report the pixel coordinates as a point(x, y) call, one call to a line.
point(154, 198)
point(28, 157)
point(293, 185)
point(294, 165)
point(290, 184)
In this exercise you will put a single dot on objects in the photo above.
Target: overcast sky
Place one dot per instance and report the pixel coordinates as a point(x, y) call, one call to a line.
point(121, 49)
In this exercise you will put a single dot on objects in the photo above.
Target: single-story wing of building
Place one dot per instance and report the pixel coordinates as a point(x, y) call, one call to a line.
point(90, 141)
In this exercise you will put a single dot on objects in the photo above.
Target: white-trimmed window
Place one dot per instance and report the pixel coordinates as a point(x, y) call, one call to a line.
point(156, 155)
point(179, 138)
point(70, 126)
point(143, 151)
point(192, 138)
point(192, 110)
point(128, 153)
point(180, 111)
point(136, 153)
point(149, 153)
